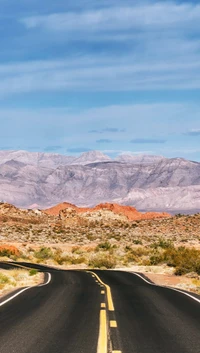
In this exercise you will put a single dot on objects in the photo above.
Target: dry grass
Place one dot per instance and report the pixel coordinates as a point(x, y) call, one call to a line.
point(15, 278)
point(170, 244)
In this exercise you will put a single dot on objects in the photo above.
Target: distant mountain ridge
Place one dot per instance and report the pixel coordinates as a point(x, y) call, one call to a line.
point(146, 182)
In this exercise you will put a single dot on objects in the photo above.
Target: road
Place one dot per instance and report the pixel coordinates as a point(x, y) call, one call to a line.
point(99, 312)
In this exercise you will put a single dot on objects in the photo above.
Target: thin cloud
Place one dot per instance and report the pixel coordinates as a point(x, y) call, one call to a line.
point(103, 141)
point(194, 132)
point(158, 15)
point(110, 129)
point(147, 140)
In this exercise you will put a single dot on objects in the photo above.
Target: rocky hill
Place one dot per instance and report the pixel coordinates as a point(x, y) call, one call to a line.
point(107, 210)
point(147, 182)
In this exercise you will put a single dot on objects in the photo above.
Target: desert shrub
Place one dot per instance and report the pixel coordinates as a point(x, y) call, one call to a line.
point(127, 248)
point(162, 243)
point(140, 251)
point(43, 254)
point(183, 259)
point(100, 261)
point(156, 258)
point(130, 257)
point(4, 279)
point(78, 260)
point(104, 246)
point(33, 272)
point(135, 255)
point(6, 252)
point(137, 242)
point(76, 250)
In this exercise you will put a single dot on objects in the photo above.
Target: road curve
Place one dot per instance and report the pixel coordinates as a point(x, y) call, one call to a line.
point(151, 319)
point(63, 316)
point(60, 317)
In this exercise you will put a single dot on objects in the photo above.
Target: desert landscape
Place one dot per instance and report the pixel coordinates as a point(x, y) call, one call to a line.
point(108, 236)
point(147, 182)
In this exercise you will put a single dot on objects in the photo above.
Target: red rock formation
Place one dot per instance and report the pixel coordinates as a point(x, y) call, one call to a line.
point(55, 210)
point(130, 212)
point(12, 249)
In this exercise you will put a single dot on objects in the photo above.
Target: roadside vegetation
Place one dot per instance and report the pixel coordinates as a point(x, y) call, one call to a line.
point(15, 278)
point(171, 244)
point(110, 255)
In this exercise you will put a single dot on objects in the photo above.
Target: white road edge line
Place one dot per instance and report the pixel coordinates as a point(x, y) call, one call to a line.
point(48, 281)
point(14, 296)
point(23, 290)
point(176, 290)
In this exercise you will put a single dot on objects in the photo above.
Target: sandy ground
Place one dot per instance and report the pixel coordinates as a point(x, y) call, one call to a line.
point(18, 279)
point(163, 276)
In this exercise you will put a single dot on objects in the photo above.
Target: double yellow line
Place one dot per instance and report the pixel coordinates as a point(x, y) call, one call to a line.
point(108, 292)
point(103, 325)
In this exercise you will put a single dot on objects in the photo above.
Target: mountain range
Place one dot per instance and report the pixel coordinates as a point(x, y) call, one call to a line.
point(150, 183)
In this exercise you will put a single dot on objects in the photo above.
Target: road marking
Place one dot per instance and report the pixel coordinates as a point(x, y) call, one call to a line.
point(23, 290)
point(14, 296)
point(116, 351)
point(48, 281)
point(113, 323)
point(176, 290)
point(102, 291)
point(102, 341)
point(108, 290)
point(103, 305)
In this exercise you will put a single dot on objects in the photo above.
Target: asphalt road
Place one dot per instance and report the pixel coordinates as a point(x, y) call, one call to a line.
point(63, 316)
point(151, 319)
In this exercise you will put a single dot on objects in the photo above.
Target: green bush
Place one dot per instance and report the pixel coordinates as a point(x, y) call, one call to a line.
point(33, 272)
point(4, 279)
point(6, 252)
point(162, 243)
point(137, 242)
point(184, 260)
point(104, 246)
point(43, 254)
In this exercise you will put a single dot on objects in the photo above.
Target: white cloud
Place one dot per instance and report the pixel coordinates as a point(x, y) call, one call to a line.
point(159, 14)
point(101, 73)
point(162, 49)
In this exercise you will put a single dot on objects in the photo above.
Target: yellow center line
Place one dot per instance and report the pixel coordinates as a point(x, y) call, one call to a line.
point(108, 290)
point(102, 341)
point(103, 334)
point(113, 323)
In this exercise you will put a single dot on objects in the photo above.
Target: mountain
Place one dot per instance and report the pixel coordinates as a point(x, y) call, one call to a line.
point(91, 157)
point(45, 160)
point(138, 159)
point(44, 179)
point(52, 160)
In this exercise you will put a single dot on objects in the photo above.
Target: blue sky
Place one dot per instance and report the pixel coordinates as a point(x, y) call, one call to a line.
point(114, 76)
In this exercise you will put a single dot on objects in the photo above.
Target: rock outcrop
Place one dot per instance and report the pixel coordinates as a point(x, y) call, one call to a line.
point(106, 210)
